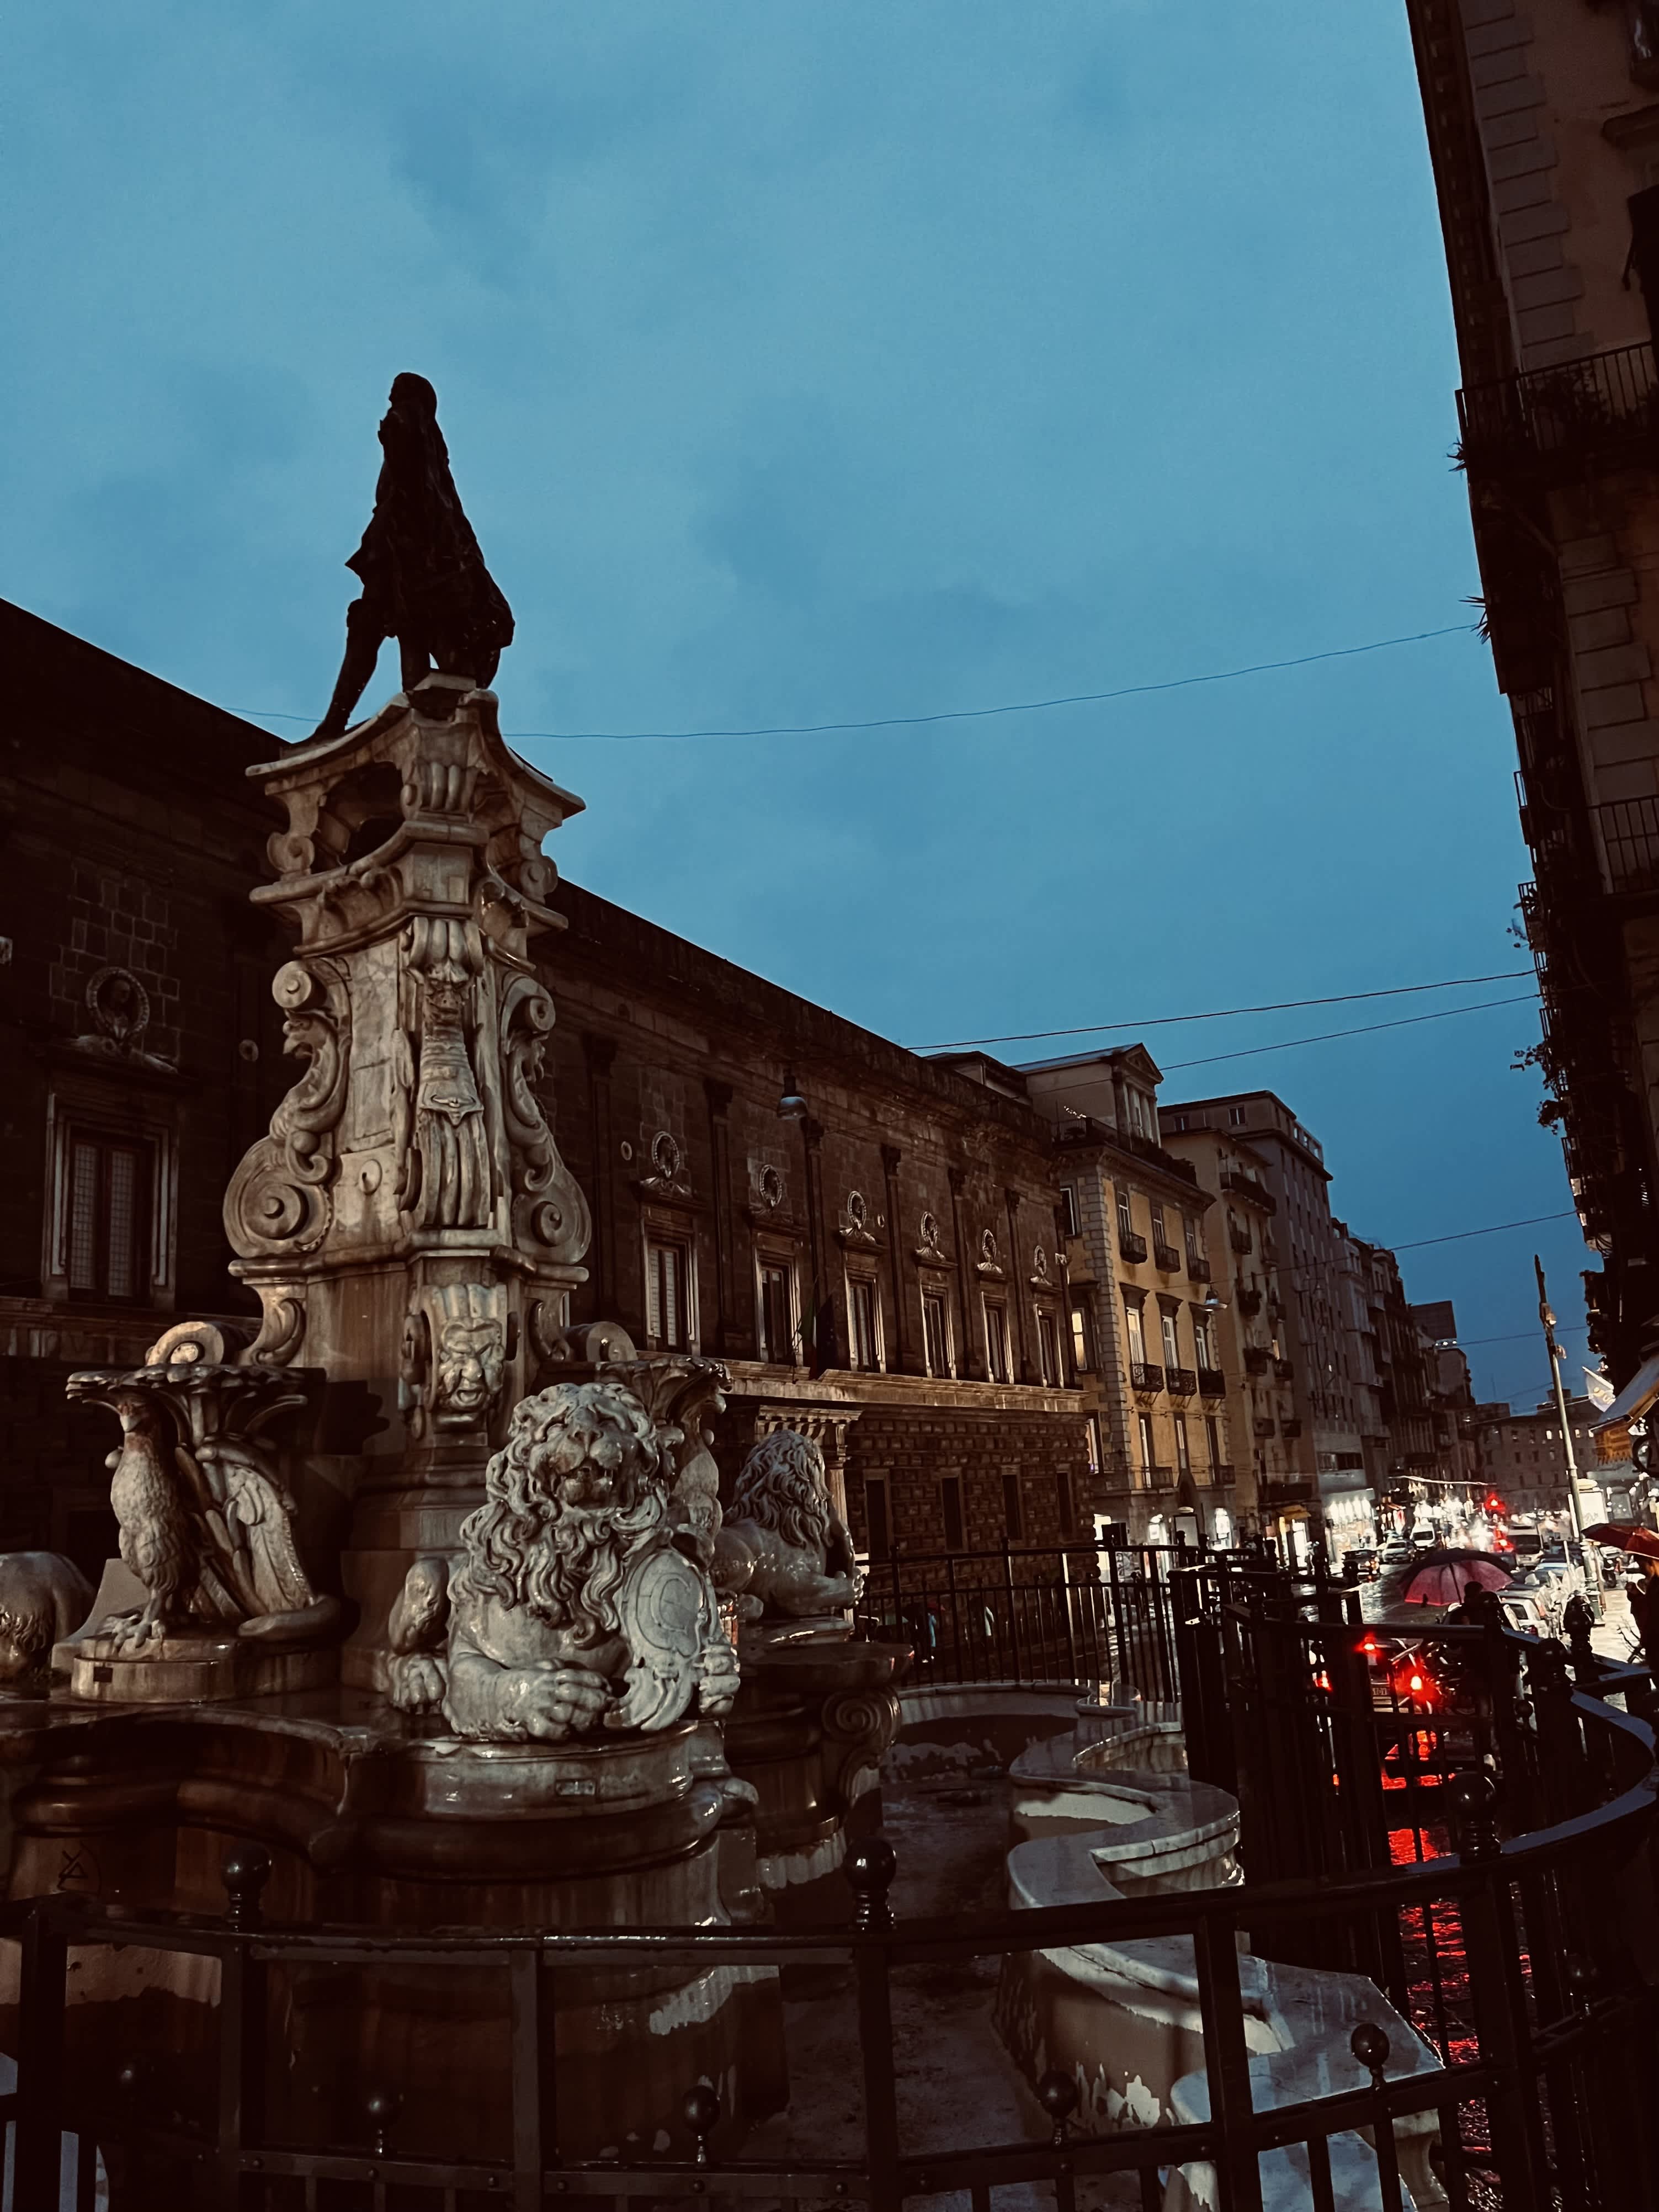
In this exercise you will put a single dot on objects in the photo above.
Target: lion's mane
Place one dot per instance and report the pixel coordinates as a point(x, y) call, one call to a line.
point(527, 1545)
point(781, 1487)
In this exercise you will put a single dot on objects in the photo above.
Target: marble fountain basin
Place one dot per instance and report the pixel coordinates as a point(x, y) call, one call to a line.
point(1125, 2019)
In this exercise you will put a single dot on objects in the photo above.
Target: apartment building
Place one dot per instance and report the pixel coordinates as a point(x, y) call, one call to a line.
point(1543, 129)
point(1150, 1318)
point(1308, 1294)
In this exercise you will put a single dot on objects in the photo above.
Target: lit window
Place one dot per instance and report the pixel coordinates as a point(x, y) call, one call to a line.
point(867, 1322)
point(1048, 1337)
point(1135, 1331)
point(665, 1313)
point(777, 1330)
point(1091, 1431)
point(108, 1184)
point(935, 1333)
point(1083, 1353)
point(996, 1342)
point(1171, 1340)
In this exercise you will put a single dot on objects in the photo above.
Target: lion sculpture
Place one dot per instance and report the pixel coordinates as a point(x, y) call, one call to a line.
point(579, 1599)
point(44, 1598)
point(782, 1525)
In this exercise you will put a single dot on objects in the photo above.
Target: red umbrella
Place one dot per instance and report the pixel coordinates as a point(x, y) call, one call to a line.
point(1441, 1577)
point(1625, 1536)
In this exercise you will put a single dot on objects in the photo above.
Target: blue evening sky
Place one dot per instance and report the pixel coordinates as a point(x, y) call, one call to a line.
point(820, 360)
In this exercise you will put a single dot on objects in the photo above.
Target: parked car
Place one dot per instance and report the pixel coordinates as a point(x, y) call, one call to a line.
point(1526, 1612)
point(1396, 1552)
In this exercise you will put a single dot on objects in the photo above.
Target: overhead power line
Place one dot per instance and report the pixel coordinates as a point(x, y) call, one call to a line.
point(1323, 1037)
point(947, 714)
point(1458, 1236)
point(1226, 1013)
point(1365, 1028)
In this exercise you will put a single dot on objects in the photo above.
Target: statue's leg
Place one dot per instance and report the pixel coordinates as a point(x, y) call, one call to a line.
point(414, 661)
point(362, 649)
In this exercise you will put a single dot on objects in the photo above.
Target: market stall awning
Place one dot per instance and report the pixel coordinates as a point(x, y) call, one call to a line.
point(1612, 1429)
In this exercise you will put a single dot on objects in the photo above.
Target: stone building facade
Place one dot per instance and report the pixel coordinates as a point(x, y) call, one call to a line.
point(1543, 128)
point(1148, 1317)
point(868, 1238)
point(142, 1049)
point(1306, 1297)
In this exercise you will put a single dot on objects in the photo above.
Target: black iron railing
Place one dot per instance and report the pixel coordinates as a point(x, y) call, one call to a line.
point(1541, 2034)
point(1080, 1614)
point(1132, 1246)
point(1166, 1259)
point(1605, 407)
point(1630, 838)
point(1180, 1381)
point(1144, 1377)
point(1212, 1383)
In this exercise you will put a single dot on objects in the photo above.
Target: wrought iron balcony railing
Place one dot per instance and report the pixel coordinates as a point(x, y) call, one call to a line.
point(1249, 1301)
point(1212, 1383)
point(1197, 1269)
point(1131, 1246)
point(1256, 1357)
point(1180, 1381)
point(1630, 839)
point(1166, 1259)
point(1238, 1235)
point(1605, 407)
point(1244, 1186)
point(1144, 1377)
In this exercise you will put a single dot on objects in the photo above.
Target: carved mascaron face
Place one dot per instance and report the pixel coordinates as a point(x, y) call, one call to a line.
point(471, 1358)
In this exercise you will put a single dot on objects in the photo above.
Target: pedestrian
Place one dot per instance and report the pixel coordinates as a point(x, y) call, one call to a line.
point(1577, 1619)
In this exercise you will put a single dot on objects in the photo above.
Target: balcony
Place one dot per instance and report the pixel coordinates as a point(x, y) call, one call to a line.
point(1238, 1235)
point(1256, 1358)
point(1630, 838)
point(1605, 409)
point(1244, 1186)
point(1285, 1490)
point(1143, 1377)
point(1284, 1369)
point(1247, 1300)
point(1131, 1246)
point(1212, 1383)
point(1263, 1428)
point(1180, 1381)
point(1291, 1430)
point(1222, 1475)
point(1197, 1269)
point(1166, 1259)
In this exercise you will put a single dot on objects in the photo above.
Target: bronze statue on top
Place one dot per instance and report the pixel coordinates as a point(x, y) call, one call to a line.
point(424, 580)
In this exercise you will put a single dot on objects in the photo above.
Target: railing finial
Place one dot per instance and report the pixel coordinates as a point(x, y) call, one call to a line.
point(870, 1867)
point(245, 1870)
point(700, 2106)
point(1474, 1822)
point(1057, 2093)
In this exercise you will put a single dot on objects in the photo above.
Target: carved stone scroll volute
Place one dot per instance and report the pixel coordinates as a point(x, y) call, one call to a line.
point(551, 1216)
point(278, 1202)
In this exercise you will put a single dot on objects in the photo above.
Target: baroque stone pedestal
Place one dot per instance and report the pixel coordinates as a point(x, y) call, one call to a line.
point(368, 1824)
point(814, 1712)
